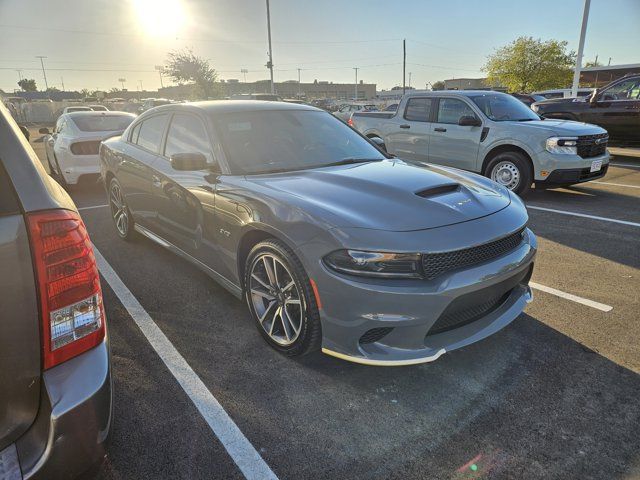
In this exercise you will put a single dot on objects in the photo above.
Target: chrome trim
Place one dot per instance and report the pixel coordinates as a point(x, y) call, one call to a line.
point(385, 363)
point(234, 289)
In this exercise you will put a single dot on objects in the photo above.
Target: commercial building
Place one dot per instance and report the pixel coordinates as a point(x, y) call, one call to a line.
point(600, 76)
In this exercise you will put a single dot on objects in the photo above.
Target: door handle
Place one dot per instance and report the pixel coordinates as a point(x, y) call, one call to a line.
point(439, 129)
point(156, 181)
point(404, 125)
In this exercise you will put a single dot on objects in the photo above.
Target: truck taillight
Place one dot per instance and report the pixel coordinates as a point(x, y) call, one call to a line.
point(350, 122)
point(71, 308)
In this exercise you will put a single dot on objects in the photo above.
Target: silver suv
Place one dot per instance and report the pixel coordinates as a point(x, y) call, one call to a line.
point(55, 375)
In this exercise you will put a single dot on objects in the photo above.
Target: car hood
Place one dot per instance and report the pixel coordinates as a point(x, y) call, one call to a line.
point(388, 195)
point(564, 127)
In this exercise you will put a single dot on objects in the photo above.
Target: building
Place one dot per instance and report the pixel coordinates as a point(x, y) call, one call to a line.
point(600, 76)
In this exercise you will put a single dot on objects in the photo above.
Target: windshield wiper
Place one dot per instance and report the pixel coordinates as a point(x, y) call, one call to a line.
point(351, 161)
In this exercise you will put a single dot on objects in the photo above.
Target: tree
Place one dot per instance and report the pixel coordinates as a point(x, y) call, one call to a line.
point(529, 64)
point(184, 66)
point(53, 89)
point(28, 85)
point(595, 63)
point(439, 85)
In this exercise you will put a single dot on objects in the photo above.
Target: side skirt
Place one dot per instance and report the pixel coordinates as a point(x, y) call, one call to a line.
point(234, 289)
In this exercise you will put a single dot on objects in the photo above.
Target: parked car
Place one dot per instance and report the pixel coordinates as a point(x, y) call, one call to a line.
point(331, 242)
point(563, 93)
point(55, 374)
point(391, 108)
point(490, 133)
point(72, 148)
point(151, 103)
point(98, 108)
point(615, 107)
point(345, 111)
point(528, 99)
point(265, 97)
point(75, 108)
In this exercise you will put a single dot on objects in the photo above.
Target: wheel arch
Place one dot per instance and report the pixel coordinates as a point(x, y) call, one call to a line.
point(495, 151)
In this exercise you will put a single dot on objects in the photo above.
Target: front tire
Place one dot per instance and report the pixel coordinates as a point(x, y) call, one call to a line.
point(512, 170)
point(120, 214)
point(281, 300)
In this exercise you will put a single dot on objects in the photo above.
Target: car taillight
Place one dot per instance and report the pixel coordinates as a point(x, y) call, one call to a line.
point(350, 122)
point(85, 148)
point(72, 314)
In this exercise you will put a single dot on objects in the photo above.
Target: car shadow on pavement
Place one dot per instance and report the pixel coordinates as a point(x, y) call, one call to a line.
point(528, 402)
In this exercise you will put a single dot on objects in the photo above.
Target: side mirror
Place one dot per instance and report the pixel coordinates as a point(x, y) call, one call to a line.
point(188, 161)
point(379, 143)
point(469, 121)
point(44, 131)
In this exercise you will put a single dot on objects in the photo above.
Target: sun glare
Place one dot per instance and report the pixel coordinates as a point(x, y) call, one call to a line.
point(160, 17)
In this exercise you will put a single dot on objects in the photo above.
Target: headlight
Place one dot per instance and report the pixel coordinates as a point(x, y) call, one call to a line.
point(375, 264)
point(567, 146)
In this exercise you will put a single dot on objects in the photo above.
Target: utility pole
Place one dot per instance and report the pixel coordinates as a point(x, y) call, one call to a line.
point(404, 65)
point(299, 93)
point(62, 80)
point(19, 74)
point(44, 74)
point(244, 72)
point(159, 68)
point(583, 31)
point(122, 80)
point(356, 69)
point(141, 88)
point(270, 62)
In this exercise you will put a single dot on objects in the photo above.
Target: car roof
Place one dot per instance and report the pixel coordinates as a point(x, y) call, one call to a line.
point(234, 106)
point(461, 93)
point(93, 113)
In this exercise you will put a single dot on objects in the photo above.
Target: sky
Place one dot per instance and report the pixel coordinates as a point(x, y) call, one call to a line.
point(93, 43)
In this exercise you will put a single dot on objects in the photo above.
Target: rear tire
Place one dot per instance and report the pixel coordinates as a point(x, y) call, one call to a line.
point(512, 170)
point(120, 213)
point(281, 299)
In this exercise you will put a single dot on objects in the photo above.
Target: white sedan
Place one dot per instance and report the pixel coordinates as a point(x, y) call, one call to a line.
point(72, 147)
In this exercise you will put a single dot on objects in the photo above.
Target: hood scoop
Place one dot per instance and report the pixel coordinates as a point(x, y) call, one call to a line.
point(439, 190)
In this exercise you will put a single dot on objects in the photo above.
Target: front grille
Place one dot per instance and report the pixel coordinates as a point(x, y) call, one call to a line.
point(459, 318)
point(375, 334)
point(588, 146)
point(587, 174)
point(435, 264)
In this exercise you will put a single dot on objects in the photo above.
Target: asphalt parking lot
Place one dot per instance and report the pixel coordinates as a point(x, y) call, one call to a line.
point(553, 395)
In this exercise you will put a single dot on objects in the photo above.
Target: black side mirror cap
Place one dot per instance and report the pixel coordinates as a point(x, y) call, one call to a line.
point(469, 121)
point(44, 131)
point(188, 161)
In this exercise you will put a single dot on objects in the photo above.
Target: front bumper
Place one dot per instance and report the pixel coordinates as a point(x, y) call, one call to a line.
point(71, 430)
point(355, 308)
point(571, 167)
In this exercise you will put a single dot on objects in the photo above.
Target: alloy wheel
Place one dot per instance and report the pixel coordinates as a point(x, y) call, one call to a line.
point(119, 209)
point(506, 174)
point(276, 300)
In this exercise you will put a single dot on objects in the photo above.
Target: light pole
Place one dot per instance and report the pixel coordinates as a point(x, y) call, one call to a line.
point(44, 74)
point(19, 74)
point(122, 80)
point(141, 88)
point(356, 69)
point(299, 93)
point(244, 72)
point(583, 32)
point(159, 68)
point(270, 62)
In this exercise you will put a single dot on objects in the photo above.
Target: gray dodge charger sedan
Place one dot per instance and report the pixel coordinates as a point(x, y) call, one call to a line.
point(332, 243)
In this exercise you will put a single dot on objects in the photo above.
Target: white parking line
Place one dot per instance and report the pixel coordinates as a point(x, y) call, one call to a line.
point(616, 184)
point(624, 165)
point(584, 215)
point(248, 460)
point(574, 298)
point(92, 207)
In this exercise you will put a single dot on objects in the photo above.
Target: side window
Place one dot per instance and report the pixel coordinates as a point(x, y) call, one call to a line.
point(187, 135)
point(151, 131)
point(8, 201)
point(451, 109)
point(418, 109)
point(59, 125)
point(133, 137)
point(624, 90)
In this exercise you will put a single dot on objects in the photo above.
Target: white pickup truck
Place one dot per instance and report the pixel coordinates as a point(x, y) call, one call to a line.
point(490, 133)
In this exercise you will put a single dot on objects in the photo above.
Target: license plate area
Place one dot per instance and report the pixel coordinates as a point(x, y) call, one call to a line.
point(596, 166)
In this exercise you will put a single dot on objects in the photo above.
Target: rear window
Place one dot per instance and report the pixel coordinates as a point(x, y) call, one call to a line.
point(8, 201)
point(102, 123)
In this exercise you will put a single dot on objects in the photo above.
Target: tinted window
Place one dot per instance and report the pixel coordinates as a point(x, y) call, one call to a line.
point(500, 108)
point(8, 202)
point(418, 109)
point(102, 123)
point(281, 140)
point(187, 135)
point(624, 90)
point(151, 131)
point(451, 109)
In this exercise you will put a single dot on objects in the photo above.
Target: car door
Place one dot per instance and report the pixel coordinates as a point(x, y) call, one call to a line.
point(617, 110)
point(452, 144)
point(134, 167)
point(186, 199)
point(408, 138)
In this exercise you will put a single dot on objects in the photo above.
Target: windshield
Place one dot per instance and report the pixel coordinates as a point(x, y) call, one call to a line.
point(284, 140)
point(502, 108)
point(102, 123)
